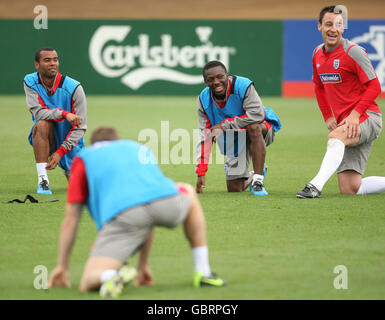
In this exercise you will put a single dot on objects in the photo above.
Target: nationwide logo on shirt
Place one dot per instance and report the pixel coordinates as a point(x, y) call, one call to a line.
point(137, 61)
point(330, 78)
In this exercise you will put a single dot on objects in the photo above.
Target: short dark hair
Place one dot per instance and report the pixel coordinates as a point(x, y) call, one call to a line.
point(37, 54)
point(324, 11)
point(104, 133)
point(331, 9)
point(212, 64)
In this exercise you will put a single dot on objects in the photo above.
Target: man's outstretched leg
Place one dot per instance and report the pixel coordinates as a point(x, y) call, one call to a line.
point(372, 184)
point(351, 182)
point(348, 155)
point(195, 230)
point(43, 141)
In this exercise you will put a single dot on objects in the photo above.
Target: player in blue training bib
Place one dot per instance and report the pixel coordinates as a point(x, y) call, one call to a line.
point(58, 107)
point(231, 113)
point(127, 196)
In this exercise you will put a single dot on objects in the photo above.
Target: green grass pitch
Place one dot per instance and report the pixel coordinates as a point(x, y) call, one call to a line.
point(275, 247)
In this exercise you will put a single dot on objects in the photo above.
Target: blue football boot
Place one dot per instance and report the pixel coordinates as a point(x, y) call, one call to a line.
point(43, 187)
point(257, 187)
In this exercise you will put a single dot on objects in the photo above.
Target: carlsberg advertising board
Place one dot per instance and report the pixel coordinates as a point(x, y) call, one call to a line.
point(146, 56)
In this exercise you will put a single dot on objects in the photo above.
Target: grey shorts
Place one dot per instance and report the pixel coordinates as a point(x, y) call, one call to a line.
point(356, 157)
point(121, 237)
point(238, 167)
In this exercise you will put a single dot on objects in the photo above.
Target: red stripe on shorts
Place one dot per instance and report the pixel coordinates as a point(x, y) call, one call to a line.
point(182, 190)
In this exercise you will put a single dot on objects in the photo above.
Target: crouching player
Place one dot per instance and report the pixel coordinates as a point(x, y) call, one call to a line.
point(231, 113)
point(127, 195)
point(59, 113)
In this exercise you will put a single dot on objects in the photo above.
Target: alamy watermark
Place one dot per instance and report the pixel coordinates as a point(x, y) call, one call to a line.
point(174, 147)
point(341, 281)
point(341, 9)
point(41, 280)
point(41, 20)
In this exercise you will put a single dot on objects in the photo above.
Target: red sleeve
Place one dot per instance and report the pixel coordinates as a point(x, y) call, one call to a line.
point(206, 146)
point(64, 113)
point(320, 94)
point(373, 89)
point(201, 169)
point(77, 184)
point(323, 103)
point(315, 77)
point(62, 151)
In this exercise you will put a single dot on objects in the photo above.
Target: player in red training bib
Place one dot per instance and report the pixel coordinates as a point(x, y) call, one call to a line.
point(346, 88)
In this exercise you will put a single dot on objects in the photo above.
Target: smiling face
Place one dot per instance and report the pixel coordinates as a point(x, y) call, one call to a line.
point(331, 28)
point(48, 64)
point(216, 79)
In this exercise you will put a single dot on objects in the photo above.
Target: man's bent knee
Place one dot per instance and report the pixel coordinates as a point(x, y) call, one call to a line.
point(91, 279)
point(234, 189)
point(339, 133)
point(42, 127)
point(349, 190)
point(254, 129)
point(235, 185)
point(349, 186)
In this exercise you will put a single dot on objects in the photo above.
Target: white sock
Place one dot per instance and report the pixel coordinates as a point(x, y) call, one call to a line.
point(372, 185)
point(107, 275)
point(42, 171)
point(258, 177)
point(334, 154)
point(201, 260)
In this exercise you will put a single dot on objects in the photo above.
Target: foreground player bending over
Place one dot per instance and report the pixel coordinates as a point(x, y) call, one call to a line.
point(127, 196)
point(346, 87)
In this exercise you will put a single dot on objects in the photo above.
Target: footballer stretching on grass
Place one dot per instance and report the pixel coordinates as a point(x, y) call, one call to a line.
point(59, 111)
point(231, 113)
point(346, 87)
point(126, 207)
